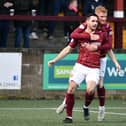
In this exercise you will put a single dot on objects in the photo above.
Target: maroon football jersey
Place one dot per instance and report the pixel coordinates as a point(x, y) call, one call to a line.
point(86, 57)
point(105, 28)
point(106, 45)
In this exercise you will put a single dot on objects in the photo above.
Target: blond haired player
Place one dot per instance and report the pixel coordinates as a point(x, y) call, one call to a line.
point(101, 12)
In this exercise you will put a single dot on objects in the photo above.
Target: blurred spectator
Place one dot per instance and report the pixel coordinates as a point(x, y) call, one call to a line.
point(71, 25)
point(5, 6)
point(23, 28)
point(53, 8)
point(109, 4)
point(33, 34)
point(46, 9)
point(60, 6)
point(90, 5)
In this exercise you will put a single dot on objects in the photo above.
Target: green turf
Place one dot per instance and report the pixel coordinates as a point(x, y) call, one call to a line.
point(31, 113)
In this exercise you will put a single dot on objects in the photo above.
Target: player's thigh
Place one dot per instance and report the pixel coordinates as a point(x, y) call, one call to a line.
point(90, 86)
point(77, 74)
point(93, 75)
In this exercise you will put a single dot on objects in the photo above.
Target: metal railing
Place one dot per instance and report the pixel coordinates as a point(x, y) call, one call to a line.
point(118, 23)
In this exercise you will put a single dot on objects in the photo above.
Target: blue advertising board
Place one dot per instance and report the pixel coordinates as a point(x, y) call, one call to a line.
point(56, 77)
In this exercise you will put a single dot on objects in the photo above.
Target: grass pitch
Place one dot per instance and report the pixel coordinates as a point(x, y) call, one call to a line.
point(42, 113)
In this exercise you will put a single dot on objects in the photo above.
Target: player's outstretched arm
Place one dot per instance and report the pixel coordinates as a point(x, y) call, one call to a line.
point(113, 58)
point(61, 55)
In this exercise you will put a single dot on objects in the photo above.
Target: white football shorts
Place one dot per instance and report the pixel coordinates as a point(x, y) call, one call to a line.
point(81, 73)
point(103, 62)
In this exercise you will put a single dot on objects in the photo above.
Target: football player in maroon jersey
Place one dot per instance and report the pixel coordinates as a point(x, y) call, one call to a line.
point(106, 46)
point(105, 27)
point(87, 66)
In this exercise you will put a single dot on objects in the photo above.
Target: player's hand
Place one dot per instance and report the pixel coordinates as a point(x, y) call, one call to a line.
point(8, 4)
point(51, 62)
point(91, 47)
point(94, 36)
point(118, 67)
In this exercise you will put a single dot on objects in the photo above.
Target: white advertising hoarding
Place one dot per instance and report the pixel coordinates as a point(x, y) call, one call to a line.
point(10, 70)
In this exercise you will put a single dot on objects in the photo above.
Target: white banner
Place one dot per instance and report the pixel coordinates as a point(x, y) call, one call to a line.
point(10, 70)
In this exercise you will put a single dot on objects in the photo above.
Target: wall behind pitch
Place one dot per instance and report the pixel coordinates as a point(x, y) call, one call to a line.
point(31, 81)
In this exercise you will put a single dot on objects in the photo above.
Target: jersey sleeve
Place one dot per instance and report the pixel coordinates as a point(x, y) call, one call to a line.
point(107, 39)
point(79, 33)
point(73, 43)
point(106, 45)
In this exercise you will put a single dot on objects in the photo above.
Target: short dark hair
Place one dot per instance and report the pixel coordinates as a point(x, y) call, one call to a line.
point(91, 14)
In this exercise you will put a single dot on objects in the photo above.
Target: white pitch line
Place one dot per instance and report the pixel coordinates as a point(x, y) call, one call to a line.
point(40, 108)
point(76, 109)
point(21, 108)
point(112, 108)
point(110, 113)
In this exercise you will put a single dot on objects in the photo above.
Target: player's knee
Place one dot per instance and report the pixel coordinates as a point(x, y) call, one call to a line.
point(71, 89)
point(100, 85)
point(90, 90)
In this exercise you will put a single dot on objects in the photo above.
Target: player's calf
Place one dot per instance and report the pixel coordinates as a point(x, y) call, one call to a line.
point(86, 113)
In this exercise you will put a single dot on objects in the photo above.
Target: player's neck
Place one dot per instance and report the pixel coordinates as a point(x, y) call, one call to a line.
point(89, 30)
